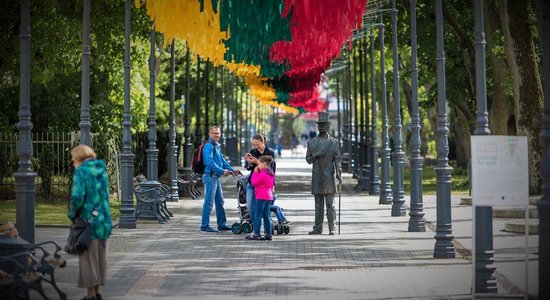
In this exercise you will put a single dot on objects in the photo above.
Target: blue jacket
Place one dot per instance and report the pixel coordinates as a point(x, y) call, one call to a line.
point(213, 160)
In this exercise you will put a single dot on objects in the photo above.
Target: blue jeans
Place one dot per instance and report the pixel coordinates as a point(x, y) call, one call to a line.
point(278, 211)
point(262, 212)
point(212, 194)
point(251, 201)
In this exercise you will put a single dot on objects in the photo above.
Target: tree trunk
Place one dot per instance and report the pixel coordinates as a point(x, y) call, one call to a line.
point(523, 61)
point(499, 108)
point(461, 131)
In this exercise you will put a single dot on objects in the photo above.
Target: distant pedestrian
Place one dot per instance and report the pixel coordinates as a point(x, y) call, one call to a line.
point(90, 201)
point(304, 139)
point(323, 152)
point(312, 133)
point(215, 167)
point(263, 182)
point(294, 143)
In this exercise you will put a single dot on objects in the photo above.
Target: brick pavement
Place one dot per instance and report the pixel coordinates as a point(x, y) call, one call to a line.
point(373, 258)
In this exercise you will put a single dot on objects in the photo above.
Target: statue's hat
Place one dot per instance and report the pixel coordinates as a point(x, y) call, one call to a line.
point(323, 117)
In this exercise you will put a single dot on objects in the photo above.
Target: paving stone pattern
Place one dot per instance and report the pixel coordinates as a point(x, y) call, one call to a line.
point(374, 257)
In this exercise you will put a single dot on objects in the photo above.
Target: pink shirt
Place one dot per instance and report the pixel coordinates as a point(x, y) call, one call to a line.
point(263, 185)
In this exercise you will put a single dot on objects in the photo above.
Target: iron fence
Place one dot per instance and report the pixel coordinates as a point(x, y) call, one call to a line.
point(51, 162)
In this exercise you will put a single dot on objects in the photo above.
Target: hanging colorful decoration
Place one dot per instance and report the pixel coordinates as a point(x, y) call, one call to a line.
point(280, 47)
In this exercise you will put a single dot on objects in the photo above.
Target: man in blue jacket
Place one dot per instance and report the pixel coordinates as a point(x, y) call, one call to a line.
point(215, 167)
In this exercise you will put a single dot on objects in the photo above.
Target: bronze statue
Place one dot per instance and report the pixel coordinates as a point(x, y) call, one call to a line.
point(323, 151)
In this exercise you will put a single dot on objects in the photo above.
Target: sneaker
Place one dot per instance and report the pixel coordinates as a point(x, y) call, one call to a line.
point(254, 237)
point(267, 238)
point(209, 229)
point(224, 228)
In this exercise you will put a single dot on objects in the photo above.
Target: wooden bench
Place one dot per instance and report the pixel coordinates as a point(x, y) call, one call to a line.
point(28, 269)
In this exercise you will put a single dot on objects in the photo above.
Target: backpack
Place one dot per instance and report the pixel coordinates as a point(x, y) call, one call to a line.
point(197, 163)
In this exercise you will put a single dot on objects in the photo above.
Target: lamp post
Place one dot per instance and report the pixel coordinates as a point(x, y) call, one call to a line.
point(443, 245)
point(25, 175)
point(214, 95)
point(484, 261)
point(365, 126)
point(338, 109)
point(416, 214)
point(173, 149)
point(85, 124)
point(206, 97)
point(398, 201)
point(127, 218)
point(152, 151)
point(187, 147)
point(363, 180)
point(198, 136)
point(374, 186)
point(385, 185)
point(544, 202)
point(355, 128)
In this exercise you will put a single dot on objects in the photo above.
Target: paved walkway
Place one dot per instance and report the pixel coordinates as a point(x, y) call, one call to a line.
point(374, 257)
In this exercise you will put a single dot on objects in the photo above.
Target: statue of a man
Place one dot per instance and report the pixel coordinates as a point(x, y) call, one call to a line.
point(323, 151)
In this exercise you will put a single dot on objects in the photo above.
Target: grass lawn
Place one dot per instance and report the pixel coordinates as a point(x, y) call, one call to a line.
point(49, 212)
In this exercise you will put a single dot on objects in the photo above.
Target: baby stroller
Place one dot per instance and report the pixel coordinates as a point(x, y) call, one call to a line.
point(282, 225)
point(244, 224)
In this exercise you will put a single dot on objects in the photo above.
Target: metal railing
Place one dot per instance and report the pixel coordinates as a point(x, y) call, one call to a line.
point(51, 162)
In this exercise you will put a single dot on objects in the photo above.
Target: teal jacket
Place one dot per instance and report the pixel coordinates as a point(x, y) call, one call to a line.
point(90, 191)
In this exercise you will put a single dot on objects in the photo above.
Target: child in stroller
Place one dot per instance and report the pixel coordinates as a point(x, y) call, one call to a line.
point(282, 225)
point(244, 225)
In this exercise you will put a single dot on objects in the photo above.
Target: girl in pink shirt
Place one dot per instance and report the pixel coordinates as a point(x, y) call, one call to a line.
point(263, 182)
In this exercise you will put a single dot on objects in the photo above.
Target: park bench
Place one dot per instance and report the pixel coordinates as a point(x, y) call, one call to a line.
point(151, 203)
point(165, 192)
point(28, 269)
point(187, 184)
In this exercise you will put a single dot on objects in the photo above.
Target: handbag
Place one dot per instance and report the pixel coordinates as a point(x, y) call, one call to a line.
point(80, 235)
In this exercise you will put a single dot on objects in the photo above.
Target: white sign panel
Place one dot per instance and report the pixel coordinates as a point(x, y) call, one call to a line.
point(499, 171)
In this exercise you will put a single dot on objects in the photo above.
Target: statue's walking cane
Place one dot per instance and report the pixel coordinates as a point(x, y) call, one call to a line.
point(339, 203)
point(339, 197)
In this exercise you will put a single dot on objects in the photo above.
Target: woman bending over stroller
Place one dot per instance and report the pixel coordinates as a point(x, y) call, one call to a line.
point(263, 180)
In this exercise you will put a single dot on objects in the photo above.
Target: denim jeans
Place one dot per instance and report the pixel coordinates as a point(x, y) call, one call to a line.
point(278, 211)
point(250, 201)
point(262, 212)
point(212, 194)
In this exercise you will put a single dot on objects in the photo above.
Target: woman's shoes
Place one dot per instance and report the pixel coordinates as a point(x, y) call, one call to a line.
point(254, 237)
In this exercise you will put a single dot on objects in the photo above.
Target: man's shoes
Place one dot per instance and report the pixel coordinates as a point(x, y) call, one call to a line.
point(224, 228)
point(314, 232)
point(331, 232)
point(209, 229)
point(267, 238)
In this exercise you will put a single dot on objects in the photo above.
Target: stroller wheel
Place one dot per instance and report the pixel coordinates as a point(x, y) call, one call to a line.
point(247, 228)
point(286, 229)
point(236, 228)
point(273, 228)
point(279, 228)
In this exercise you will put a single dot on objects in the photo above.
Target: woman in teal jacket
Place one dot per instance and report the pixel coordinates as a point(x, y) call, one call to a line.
point(90, 200)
